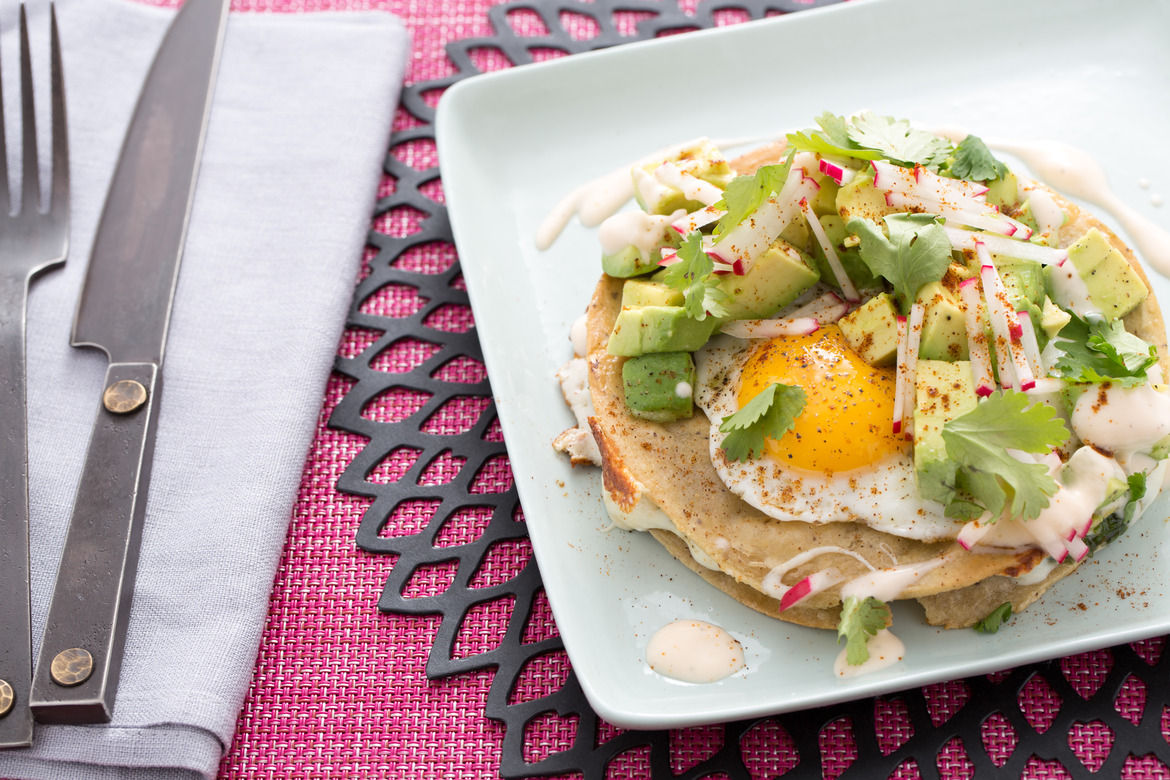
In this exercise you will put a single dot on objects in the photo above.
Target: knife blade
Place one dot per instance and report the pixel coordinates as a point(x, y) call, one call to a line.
point(124, 310)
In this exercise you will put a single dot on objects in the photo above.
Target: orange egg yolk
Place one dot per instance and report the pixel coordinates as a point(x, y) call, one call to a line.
point(848, 416)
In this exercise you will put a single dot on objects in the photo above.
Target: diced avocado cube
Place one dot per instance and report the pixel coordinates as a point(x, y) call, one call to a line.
point(644, 329)
point(859, 198)
point(825, 201)
point(774, 280)
point(1161, 449)
point(659, 386)
point(630, 261)
point(702, 159)
point(798, 234)
point(943, 390)
point(643, 292)
point(944, 329)
point(1023, 279)
point(1053, 318)
point(871, 330)
point(850, 257)
point(1004, 191)
point(1113, 285)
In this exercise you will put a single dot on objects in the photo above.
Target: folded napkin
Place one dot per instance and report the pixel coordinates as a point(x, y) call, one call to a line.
point(300, 124)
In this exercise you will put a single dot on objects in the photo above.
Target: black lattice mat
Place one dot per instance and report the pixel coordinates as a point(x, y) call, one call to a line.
point(958, 729)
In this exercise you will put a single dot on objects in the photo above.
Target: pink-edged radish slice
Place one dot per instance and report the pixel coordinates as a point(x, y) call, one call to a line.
point(697, 219)
point(669, 256)
point(843, 280)
point(1002, 245)
point(1030, 345)
point(971, 533)
point(829, 307)
point(769, 329)
point(920, 182)
point(1004, 325)
point(900, 376)
point(810, 585)
point(752, 237)
point(1077, 548)
point(978, 351)
point(913, 340)
point(838, 173)
point(996, 223)
point(692, 187)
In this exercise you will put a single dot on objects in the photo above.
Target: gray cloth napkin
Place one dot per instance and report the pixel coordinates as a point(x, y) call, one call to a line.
point(300, 124)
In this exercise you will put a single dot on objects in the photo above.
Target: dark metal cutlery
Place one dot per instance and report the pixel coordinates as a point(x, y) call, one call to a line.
point(31, 241)
point(124, 310)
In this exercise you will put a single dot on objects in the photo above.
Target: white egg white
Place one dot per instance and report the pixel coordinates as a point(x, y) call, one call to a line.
point(882, 495)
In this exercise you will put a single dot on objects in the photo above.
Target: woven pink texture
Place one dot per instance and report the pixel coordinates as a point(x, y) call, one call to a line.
point(340, 689)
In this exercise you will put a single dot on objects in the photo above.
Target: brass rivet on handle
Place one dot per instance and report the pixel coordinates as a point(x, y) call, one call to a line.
point(124, 396)
point(71, 667)
point(7, 698)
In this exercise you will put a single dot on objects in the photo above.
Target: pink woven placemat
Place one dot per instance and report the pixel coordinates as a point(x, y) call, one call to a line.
point(340, 689)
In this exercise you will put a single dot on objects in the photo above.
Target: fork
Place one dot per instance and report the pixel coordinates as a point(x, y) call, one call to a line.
point(32, 241)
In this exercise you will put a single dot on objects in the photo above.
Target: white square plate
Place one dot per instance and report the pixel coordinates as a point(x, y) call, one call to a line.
point(1091, 73)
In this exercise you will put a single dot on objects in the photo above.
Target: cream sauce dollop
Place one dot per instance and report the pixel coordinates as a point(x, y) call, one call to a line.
point(694, 651)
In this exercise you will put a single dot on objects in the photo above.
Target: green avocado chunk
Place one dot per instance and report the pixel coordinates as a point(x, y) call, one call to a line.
point(1023, 280)
point(659, 387)
point(1113, 285)
point(859, 198)
point(1053, 318)
point(645, 292)
point(774, 280)
point(640, 330)
point(702, 159)
point(1004, 191)
point(944, 390)
point(944, 328)
point(871, 330)
point(630, 261)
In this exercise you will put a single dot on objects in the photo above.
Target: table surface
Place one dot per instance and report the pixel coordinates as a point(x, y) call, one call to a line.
point(341, 689)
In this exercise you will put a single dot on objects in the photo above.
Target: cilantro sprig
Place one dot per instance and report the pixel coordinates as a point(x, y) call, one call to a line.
point(832, 139)
point(1097, 351)
point(770, 414)
point(916, 252)
point(898, 141)
point(973, 161)
point(992, 622)
point(744, 194)
point(979, 475)
point(694, 277)
point(860, 620)
point(1109, 528)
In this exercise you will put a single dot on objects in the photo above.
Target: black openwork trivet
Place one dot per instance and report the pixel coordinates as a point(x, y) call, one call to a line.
point(954, 741)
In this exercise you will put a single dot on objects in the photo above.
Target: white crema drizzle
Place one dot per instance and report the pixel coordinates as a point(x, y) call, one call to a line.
point(694, 651)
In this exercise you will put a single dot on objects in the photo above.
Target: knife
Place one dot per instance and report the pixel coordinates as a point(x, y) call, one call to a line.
point(124, 310)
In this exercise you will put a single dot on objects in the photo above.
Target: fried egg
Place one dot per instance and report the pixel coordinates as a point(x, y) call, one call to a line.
point(841, 461)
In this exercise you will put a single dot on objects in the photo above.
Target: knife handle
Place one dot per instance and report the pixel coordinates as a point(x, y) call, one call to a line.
point(76, 677)
point(16, 726)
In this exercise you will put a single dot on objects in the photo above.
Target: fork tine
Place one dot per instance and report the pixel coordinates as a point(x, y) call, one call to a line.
point(30, 186)
point(59, 203)
point(5, 199)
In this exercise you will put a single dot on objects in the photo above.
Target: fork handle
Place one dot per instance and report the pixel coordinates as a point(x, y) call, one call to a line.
point(77, 671)
point(15, 633)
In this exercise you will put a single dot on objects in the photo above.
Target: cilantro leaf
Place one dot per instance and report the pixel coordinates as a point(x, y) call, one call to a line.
point(975, 162)
point(744, 194)
point(770, 414)
point(860, 620)
point(832, 139)
point(1109, 528)
point(898, 141)
point(1098, 351)
point(916, 252)
point(693, 276)
point(980, 474)
point(994, 619)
